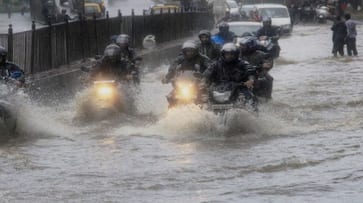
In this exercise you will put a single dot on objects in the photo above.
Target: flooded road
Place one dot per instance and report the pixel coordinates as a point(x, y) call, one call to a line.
point(304, 147)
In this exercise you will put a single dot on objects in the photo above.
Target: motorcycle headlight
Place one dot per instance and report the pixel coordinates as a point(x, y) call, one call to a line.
point(105, 92)
point(185, 91)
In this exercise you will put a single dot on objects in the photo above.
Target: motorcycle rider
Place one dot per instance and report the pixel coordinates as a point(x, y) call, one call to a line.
point(10, 70)
point(269, 31)
point(207, 47)
point(263, 63)
point(230, 68)
point(224, 35)
point(129, 55)
point(189, 60)
point(111, 65)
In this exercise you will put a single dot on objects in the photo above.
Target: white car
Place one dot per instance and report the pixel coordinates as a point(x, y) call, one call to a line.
point(279, 14)
point(232, 6)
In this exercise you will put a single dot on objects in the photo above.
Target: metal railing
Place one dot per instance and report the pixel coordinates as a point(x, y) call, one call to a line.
point(60, 44)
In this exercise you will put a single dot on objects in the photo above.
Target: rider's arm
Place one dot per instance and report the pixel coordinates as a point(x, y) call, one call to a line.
point(171, 72)
point(208, 74)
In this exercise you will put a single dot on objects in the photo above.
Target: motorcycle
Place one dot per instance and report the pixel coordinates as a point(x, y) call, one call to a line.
point(231, 95)
point(307, 13)
point(322, 14)
point(268, 45)
point(187, 89)
point(105, 97)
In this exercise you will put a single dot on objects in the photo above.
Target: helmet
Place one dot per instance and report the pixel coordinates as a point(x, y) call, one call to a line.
point(189, 49)
point(223, 27)
point(3, 54)
point(123, 40)
point(112, 52)
point(190, 44)
point(204, 32)
point(231, 49)
point(248, 44)
point(266, 21)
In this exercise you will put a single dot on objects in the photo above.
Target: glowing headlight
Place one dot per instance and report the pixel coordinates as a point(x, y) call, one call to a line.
point(105, 92)
point(186, 91)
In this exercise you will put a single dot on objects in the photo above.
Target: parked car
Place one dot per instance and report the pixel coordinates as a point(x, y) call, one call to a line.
point(164, 8)
point(99, 2)
point(91, 9)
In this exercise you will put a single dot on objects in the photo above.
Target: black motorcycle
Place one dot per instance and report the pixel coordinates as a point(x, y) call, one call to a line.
point(231, 95)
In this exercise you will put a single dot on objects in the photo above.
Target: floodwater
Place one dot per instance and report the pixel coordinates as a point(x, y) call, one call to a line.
point(305, 146)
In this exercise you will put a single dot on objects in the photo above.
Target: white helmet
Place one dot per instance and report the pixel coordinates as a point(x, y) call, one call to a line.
point(190, 44)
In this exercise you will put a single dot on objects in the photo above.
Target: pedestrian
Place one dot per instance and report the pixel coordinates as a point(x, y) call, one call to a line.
point(351, 35)
point(339, 34)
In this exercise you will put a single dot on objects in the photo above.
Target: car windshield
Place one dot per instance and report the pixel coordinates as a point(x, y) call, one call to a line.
point(274, 12)
point(239, 30)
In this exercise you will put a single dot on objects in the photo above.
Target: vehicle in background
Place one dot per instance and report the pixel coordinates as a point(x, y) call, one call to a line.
point(278, 13)
point(91, 9)
point(99, 2)
point(162, 8)
point(232, 6)
point(322, 14)
point(242, 27)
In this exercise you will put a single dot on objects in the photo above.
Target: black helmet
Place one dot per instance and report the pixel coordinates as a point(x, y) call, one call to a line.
point(112, 52)
point(223, 27)
point(205, 32)
point(3, 54)
point(232, 49)
point(123, 40)
point(248, 44)
point(266, 21)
